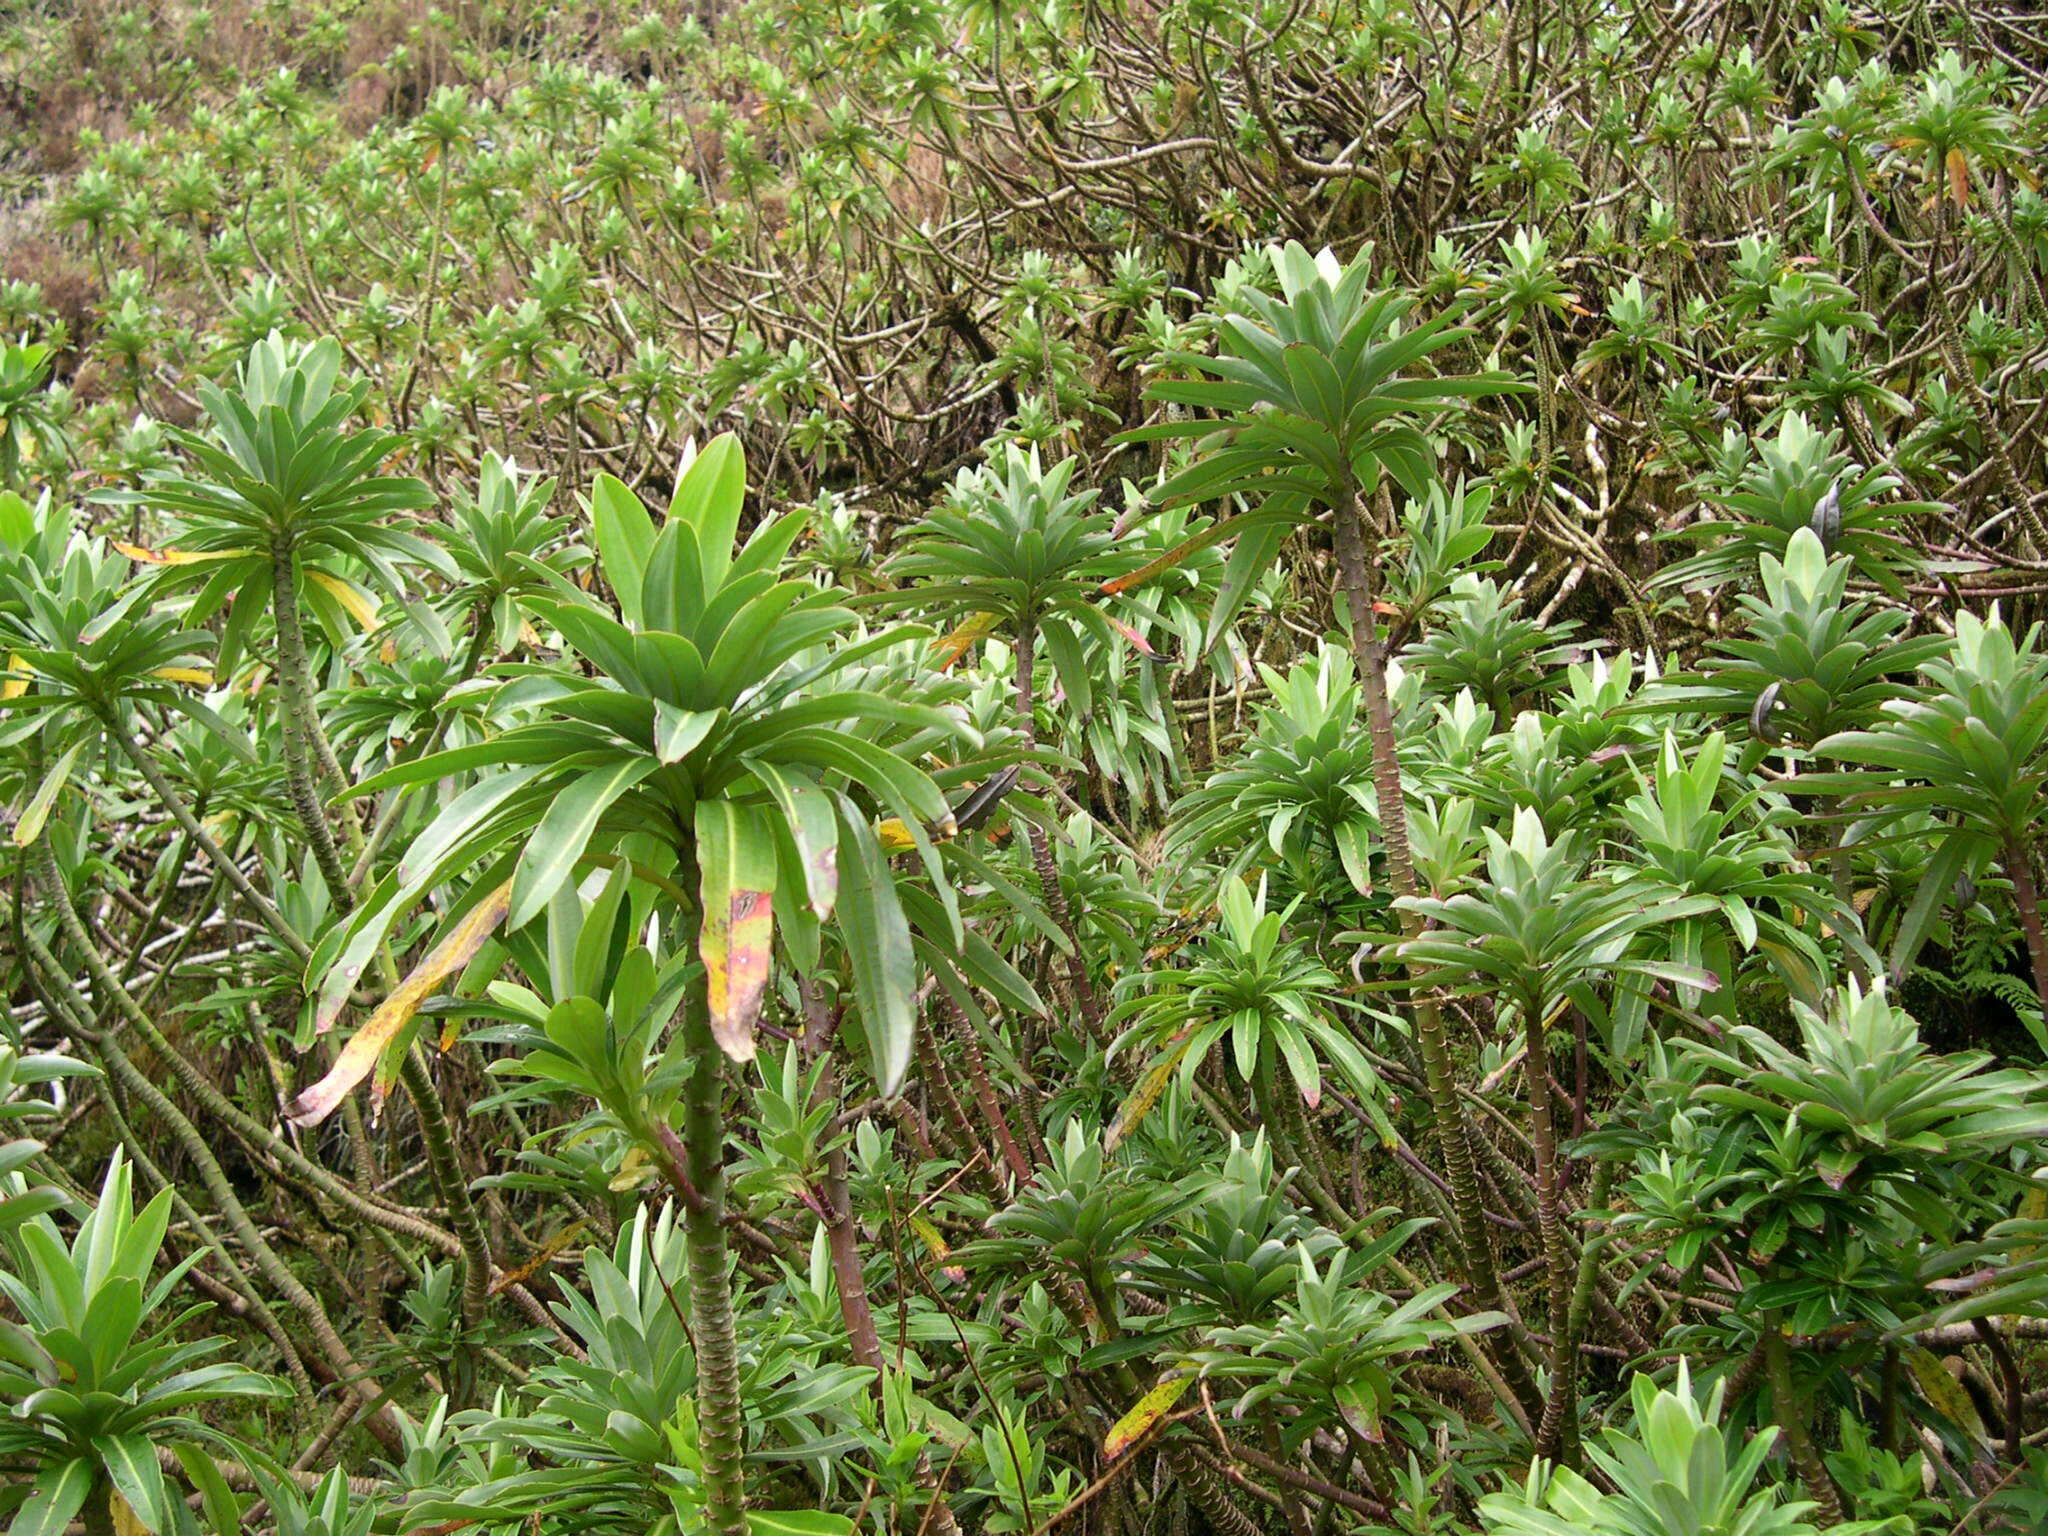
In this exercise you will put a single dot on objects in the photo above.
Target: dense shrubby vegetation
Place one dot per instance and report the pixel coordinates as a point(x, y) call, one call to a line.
point(1203, 767)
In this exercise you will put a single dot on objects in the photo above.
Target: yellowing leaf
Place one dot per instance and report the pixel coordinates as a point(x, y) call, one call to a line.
point(198, 676)
point(14, 687)
point(737, 866)
point(940, 1251)
point(177, 556)
point(2033, 1206)
point(1145, 1413)
point(360, 1055)
point(1946, 1395)
point(1147, 1093)
point(126, 1521)
point(634, 1168)
point(547, 1251)
point(964, 639)
point(360, 605)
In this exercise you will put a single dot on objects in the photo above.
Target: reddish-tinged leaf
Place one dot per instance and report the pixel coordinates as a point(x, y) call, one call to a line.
point(1212, 534)
point(737, 868)
point(738, 986)
point(359, 1056)
point(1138, 641)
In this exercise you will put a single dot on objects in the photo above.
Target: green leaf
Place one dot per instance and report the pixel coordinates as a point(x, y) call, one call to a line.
point(1937, 882)
point(710, 497)
point(1069, 666)
point(878, 943)
point(625, 539)
point(30, 827)
point(679, 732)
point(1258, 544)
point(565, 832)
point(59, 1494)
point(130, 1462)
point(813, 832)
point(223, 1509)
point(797, 1522)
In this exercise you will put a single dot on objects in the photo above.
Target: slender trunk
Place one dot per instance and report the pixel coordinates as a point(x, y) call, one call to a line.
point(2026, 896)
point(985, 1096)
point(1791, 1417)
point(1975, 401)
point(842, 1240)
point(1474, 1244)
point(1041, 846)
point(1553, 1435)
point(721, 1429)
point(261, 1141)
point(422, 352)
point(445, 1165)
point(1889, 1382)
point(295, 686)
point(97, 1518)
point(2010, 1384)
point(437, 1134)
point(233, 1276)
point(963, 1139)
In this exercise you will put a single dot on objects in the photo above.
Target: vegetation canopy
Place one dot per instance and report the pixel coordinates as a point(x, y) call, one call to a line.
point(1102, 768)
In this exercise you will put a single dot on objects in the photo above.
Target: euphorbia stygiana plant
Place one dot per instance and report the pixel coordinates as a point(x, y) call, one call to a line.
point(705, 743)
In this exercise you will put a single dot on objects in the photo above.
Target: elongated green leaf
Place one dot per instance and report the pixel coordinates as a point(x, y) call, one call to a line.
point(565, 832)
point(59, 1494)
point(679, 732)
point(1937, 882)
point(1069, 666)
point(223, 1510)
point(813, 831)
point(37, 812)
point(1251, 557)
point(625, 538)
point(878, 943)
point(710, 497)
point(131, 1465)
point(797, 1522)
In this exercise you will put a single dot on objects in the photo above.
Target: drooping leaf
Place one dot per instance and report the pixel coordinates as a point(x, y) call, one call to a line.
point(1147, 1093)
point(456, 949)
point(131, 1465)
